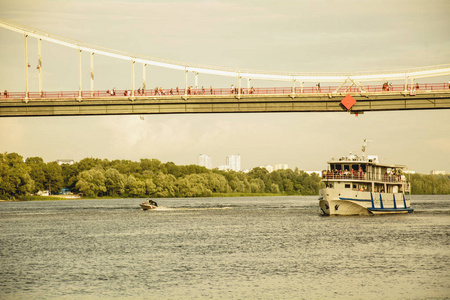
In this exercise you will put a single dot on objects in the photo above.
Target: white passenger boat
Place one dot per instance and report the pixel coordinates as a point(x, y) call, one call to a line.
point(363, 186)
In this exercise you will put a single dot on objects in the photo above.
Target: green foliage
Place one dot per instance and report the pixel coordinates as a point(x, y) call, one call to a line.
point(37, 172)
point(15, 179)
point(91, 182)
point(429, 184)
point(114, 182)
point(150, 178)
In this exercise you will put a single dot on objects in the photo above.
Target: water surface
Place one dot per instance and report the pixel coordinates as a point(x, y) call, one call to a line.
point(221, 248)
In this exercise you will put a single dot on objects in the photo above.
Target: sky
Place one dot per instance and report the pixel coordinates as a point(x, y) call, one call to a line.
point(328, 36)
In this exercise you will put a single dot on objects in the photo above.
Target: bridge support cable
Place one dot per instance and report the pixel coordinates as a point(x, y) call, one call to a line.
point(196, 79)
point(239, 85)
point(185, 80)
point(293, 87)
point(353, 83)
point(132, 78)
point(79, 75)
point(395, 75)
point(406, 83)
point(26, 66)
point(40, 66)
point(357, 84)
point(92, 74)
point(143, 76)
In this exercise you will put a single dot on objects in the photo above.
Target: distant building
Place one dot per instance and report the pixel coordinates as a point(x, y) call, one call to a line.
point(436, 172)
point(406, 171)
point(65, 161)
point(234, 162)
point(269, 168)
point(319, 173)
point(277, 167)
point(224, 168)
point(204, 160)
point(43, 193)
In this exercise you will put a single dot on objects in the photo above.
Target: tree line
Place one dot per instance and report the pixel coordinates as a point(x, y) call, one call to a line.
point(429, 184)
point(95, 177)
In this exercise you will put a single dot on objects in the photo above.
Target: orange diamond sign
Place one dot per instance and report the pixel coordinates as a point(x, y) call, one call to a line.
point(348, 101)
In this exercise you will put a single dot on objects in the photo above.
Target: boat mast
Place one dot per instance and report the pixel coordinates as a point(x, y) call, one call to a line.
point(364, 148)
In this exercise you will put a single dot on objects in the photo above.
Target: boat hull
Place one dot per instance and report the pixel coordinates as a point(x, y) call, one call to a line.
point(147, 206)
point(333, 202)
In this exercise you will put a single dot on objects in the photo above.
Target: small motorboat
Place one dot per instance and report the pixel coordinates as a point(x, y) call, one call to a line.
point(149, 204)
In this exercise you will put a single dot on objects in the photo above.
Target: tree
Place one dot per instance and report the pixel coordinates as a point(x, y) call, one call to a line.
point(37, 172)
point(91, 182)
point(193, 185)
point(69, 174)
point(15, 179)
point(275, 188)
point(216, 183)
point(135, 187)
point(114, 182)
point(257, 185)
point(150, 186)
point(53, 177)
point(152, 165)
point(165, 185)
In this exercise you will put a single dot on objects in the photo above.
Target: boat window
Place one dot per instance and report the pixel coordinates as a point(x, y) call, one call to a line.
point(355, 167)
point(347, 186)
point(354, 186)
point(346, 168)
point(363, 167)
point(338, 167)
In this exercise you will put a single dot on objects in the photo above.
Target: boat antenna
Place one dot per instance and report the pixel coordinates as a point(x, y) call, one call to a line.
point(364, 147)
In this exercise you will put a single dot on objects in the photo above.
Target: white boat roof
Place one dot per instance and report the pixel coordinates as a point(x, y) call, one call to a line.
point(352, 159)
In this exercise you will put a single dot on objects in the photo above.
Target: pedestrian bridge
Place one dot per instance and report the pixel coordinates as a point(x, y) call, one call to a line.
point(103, 104)
point(322, 92)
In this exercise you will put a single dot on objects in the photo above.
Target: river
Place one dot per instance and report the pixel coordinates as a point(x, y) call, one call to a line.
point(221, 248)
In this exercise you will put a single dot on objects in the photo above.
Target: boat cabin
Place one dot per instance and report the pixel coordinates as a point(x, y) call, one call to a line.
point(360, 174)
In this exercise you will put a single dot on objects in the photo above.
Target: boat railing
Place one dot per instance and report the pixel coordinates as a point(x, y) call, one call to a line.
point(362, 176)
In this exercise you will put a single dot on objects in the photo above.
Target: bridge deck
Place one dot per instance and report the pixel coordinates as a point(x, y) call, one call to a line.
point(231, 103)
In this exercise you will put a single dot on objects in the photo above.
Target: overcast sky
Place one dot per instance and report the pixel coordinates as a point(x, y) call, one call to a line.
point(288, 36)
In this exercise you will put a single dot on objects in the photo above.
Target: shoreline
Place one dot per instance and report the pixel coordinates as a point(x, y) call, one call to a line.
point(218, 195)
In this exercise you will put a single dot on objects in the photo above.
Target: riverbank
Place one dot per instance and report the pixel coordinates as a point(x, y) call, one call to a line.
point(76, 197)
point(48, 198)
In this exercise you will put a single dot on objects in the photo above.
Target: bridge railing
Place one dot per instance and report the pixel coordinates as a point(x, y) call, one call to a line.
point(223, 91)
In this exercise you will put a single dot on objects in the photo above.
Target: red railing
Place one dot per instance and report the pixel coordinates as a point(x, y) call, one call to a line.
point(224, 91)
point(362, 176)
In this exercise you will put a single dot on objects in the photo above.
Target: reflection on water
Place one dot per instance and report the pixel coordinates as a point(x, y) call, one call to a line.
point(261, 247)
